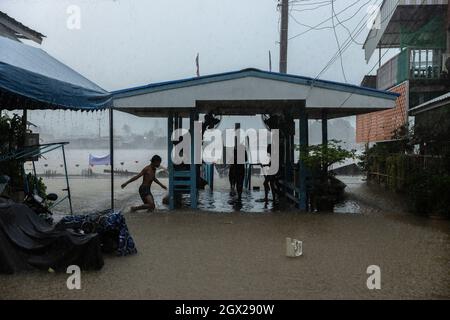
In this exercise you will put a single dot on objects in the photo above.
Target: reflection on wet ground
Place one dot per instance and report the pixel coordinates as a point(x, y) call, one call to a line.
point(226, 201)
point(253, 202)
point(93, 194)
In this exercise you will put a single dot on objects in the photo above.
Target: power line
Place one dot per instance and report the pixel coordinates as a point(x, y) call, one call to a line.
point(326, 20)
point(313, 8)
point(351, 94)
point(347, 29)
point(310, 28)
point(339, 53)
point(307, 3)
point(374, 66)
point(337, 39)
point(348, 42)
point(357, 30)
point(310, 4)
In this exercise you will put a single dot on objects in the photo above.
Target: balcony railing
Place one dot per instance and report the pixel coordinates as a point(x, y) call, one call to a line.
point(410, 64)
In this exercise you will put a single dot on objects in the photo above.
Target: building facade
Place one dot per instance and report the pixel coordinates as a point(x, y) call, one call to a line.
point(419, 72)
point(381, 125)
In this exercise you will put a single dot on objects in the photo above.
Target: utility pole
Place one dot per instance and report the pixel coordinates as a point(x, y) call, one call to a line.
point(284, 35)
point(448, 29)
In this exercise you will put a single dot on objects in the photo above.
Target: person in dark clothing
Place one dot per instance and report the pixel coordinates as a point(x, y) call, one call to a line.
point(236, 174)
point(239, 173)
point(232, 176)
point(270, 181)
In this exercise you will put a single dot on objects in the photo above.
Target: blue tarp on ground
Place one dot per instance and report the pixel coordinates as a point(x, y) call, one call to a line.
point(30, 73)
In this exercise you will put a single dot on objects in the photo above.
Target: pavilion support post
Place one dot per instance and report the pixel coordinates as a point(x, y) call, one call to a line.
point(211, 176)
point(180, 122)
point(325, 136)
point(285, 163)
point(169, 161)
point(24, 127)
point(293, 142)
point(69, 195)
point(193, 167)
point(111, 152)
point(289, 154)
point(303, 130)
point(175, 121)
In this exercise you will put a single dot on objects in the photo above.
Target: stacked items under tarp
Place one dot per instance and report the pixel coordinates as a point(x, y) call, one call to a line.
point(28, 242)
point(109, 224)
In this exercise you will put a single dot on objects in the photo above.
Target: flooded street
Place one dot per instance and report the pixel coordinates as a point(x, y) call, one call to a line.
point(220, 253)
point(341, 107)
point(91, 194)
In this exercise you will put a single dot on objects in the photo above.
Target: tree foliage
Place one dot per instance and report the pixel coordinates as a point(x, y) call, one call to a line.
point(322, 156)
point(11, 137)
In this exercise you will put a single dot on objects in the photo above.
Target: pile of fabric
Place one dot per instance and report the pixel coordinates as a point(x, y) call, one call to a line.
point(28, 242)
point(111, 227)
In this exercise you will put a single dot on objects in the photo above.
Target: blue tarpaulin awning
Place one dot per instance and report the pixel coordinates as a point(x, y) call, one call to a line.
point(98, 161)
point(32, 79)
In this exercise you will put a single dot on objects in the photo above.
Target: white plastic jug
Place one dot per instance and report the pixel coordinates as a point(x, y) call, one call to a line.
point(294, 247)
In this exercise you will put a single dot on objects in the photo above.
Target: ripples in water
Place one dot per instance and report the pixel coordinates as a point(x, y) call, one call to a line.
point(253, 202)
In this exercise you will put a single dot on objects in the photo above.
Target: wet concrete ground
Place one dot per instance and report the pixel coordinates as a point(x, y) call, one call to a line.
point(240, 255)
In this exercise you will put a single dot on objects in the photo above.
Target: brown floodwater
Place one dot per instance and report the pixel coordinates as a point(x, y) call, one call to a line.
point(224, 252)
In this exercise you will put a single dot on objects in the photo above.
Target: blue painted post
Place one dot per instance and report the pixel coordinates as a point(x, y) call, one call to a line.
point(292, 154)
point(248, 176)
point(284, 163)
point(169, 161)
point(293, 143)
point(211, 176)
point(192, 118)
point(303, 130)
point(325, 135)
point(180, 122)
point(289, 159)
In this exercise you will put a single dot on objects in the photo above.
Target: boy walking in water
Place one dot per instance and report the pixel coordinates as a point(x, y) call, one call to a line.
point(148, 175)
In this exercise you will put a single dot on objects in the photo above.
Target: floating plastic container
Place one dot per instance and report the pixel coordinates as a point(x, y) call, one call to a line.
point(294, 247)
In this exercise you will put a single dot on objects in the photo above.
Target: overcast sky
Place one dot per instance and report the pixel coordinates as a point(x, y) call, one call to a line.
point(125, 43)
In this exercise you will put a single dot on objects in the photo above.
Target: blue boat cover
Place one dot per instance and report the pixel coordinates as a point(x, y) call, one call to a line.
point(31, 73)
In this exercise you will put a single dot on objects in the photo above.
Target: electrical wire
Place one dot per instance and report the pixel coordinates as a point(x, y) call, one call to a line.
point(337, 40)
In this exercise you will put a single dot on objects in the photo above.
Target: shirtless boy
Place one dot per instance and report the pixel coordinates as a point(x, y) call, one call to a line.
point(148, 175)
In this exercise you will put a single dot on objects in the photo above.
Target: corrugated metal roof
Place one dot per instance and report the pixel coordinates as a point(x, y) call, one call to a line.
point(436, 102)
point(397, 15)
point(251, 72)
point(18, 24)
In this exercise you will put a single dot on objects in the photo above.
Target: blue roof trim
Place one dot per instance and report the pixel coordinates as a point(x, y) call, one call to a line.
point(153, 87)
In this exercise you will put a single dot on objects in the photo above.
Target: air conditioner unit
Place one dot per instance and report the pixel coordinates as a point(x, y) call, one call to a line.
point(446, 63)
